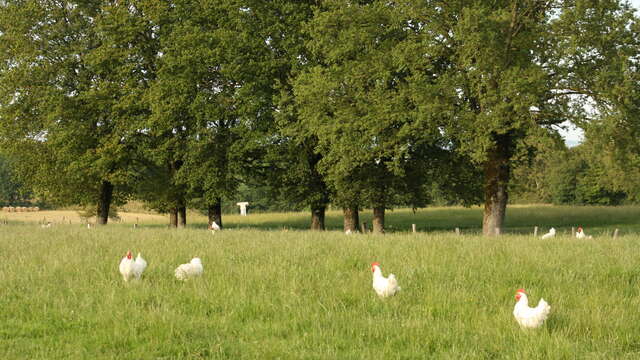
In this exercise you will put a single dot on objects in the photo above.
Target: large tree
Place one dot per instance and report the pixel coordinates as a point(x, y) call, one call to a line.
point(58, 103)
point(290, 163)
point(289, 167)
point(362, 103)
point(481, 77)
point(612, 124)
point(212, 99)
point(517, 66)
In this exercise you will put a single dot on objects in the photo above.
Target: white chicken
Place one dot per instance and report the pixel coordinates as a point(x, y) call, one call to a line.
point(132, 269)
point(529, 317)
point(550, 234)
point(190, 269)
point(383, 286)
point(214, 226)
point(581, 235)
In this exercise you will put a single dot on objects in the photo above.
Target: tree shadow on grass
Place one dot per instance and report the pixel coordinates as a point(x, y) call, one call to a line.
point(597, 221)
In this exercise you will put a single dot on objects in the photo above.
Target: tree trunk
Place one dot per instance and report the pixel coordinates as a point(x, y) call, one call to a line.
point(182, 216)
point(173, 218)
point(351, 219)
point(215, 213)
point(317, 218)
point(378, 220)
point(496, 180)
point(104, 203)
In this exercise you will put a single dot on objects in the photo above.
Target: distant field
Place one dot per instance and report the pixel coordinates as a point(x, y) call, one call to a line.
point(68, 217)
point(521, 219)
point(307, 295)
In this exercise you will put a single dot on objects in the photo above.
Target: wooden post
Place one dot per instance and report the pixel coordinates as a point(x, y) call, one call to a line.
point(573, 231)
point(457, 231)
point(535, 231)
point(135, 226)
point(364, 227)
point(615, 234)
point(413, 228)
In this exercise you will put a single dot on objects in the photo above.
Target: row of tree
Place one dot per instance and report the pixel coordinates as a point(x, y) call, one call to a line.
point(567, 176)
point(355, 103)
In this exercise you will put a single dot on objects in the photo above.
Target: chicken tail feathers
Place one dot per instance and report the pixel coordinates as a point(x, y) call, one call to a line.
point(393, 282)
point(544, 308)
point(180, 274)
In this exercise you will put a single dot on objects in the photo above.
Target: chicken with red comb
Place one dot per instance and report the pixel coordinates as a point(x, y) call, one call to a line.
point(581, 235)
point(528, 317)
point(383, 286)
point(130, 268)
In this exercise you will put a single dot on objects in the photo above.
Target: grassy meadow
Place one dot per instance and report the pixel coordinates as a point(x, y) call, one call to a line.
point(521, 219)
point(270, 293)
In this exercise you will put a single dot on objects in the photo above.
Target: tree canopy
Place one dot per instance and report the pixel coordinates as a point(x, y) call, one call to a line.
point(362, 104)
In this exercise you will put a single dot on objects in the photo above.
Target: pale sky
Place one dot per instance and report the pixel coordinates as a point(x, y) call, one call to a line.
point(573, 136)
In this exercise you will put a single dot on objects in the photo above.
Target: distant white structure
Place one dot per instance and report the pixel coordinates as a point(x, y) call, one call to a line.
point(243, 207)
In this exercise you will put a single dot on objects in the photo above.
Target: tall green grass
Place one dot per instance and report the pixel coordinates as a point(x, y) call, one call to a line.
point(303, 295)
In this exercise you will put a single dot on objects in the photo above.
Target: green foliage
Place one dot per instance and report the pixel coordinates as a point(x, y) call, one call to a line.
point(613, 144)
point(565, 176)
point(58, 102)
point(12, 192)
point(479, 79)
point(289, 164)
point(609, 63)
point(211, 100)
point(373, 103)
point(290, 174)
point(380, 146)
